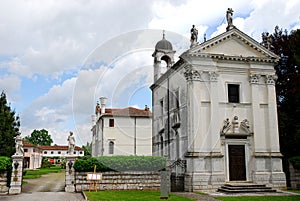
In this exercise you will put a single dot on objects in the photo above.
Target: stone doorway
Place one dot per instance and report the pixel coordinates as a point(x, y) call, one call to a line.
point(237, 163)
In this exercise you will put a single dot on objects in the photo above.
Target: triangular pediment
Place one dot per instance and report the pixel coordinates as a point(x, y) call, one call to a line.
point(233, 43)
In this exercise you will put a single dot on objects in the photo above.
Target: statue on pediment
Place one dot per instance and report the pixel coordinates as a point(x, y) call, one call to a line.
point(229, 18)
point(194, 35)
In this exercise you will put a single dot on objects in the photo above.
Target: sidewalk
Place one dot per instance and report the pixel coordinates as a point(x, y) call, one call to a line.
point(44, 196)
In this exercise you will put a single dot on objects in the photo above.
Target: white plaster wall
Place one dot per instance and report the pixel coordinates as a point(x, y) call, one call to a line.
point(125, 131)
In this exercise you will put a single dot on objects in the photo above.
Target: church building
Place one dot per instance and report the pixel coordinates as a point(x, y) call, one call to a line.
point(215, 113)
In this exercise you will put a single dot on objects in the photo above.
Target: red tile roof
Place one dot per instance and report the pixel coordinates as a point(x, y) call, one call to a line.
point(59, 148)
point(127, 112)
point(27, 144)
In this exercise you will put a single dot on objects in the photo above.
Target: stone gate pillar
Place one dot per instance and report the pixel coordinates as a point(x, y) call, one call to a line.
point(17, 173)
point(70, 173)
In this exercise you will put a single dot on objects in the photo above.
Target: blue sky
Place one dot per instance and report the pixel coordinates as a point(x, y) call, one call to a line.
point(58, 57)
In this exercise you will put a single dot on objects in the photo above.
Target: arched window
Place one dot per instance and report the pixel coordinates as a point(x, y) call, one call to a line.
point(111, 147)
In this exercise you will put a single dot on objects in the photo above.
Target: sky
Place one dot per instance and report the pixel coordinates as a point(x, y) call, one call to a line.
point(58, 57)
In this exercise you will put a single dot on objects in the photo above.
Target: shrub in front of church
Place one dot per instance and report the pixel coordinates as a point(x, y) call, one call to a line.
point(120, 163)
point(295, 162)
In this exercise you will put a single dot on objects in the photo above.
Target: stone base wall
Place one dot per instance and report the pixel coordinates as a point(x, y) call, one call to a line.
point(3, 183)
point(120, 181)
point(294, 177)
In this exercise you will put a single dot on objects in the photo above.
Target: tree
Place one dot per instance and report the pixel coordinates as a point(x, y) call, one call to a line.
point(287, 46)
point(87, 149)
point(39, 137)
point(9, 127)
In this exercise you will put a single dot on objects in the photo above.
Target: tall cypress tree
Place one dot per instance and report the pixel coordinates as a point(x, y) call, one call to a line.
point(9, 127)
point(287, 46)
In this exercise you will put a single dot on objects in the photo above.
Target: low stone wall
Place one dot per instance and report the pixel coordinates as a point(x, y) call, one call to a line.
point(121, 181)
point(3, 183)
point(294, 177)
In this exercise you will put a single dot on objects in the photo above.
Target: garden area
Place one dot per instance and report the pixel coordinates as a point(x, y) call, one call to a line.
point(33, 174)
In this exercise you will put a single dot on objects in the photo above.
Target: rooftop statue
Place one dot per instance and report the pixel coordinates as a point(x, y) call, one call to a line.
point(194, 35)
point(229, 15)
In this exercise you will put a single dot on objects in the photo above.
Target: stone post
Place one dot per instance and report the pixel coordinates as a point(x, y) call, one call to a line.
point(70, 173)
point(17, 173)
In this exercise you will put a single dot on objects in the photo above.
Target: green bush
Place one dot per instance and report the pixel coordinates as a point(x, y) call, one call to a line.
point(120, 163)
point(295, 162)
point(5, 163)
point(46, 164)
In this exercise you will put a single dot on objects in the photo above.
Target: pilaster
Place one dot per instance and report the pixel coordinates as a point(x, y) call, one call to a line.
point(70, 173)
point(214, 115)
point(259, 141)
point(272, 110)
point(17, 173)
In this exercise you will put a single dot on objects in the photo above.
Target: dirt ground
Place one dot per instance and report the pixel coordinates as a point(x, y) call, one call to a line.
point(52, 182)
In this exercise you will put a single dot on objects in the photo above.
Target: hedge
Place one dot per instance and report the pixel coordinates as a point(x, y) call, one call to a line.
point(295, 162)
point(120, 163)
point(5, 163)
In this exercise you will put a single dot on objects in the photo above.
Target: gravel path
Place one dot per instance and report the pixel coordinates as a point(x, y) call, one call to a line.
point(49, 187)
point(52, 182)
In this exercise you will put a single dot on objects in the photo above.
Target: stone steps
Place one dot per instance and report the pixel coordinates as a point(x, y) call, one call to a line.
point(245, 188)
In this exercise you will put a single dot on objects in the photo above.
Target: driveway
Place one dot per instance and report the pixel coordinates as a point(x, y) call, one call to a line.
point(49, 187)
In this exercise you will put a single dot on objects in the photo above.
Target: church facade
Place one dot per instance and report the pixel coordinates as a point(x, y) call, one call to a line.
point(215, 113)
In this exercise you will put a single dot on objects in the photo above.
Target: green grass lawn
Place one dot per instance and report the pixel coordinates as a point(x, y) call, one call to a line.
point(32, 174)
point(260, 198)
point(130, 196)
point(294, 191)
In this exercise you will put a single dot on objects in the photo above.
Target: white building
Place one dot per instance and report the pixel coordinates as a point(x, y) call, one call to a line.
point(214, 112)
point(57, 153)
point(32, 156)
point(126, 131)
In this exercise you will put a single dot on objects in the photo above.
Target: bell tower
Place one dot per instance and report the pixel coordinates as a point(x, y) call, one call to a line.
point(163, 57)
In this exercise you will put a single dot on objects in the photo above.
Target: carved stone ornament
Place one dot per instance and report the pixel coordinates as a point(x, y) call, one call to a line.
point(245, 126)
point(190, 74)
point(213, 76)
point(226, 126)
point(254, 78)
point(271, 79)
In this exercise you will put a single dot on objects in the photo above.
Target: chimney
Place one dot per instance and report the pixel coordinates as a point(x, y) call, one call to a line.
point(103, 104)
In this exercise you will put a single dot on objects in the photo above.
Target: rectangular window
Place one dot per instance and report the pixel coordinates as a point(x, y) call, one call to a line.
point(45, 152)
point(59, 152)
point(177, 99)
point(161, 107)
point(111, 123)
point(233, 93)
point(25, 150)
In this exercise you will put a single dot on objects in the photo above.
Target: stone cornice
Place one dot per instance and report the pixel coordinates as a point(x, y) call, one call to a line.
point(267, 154)
point(204, 155)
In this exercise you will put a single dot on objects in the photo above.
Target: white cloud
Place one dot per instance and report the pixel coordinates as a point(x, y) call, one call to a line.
point(10, 84)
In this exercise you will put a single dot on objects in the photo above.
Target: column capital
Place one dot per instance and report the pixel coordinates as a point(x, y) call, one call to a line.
point(271, 79)
point(254, 78)
point(191, 74)
point(213, 76)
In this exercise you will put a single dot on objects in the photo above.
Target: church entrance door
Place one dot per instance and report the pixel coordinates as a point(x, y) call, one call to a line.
point(237, 164)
